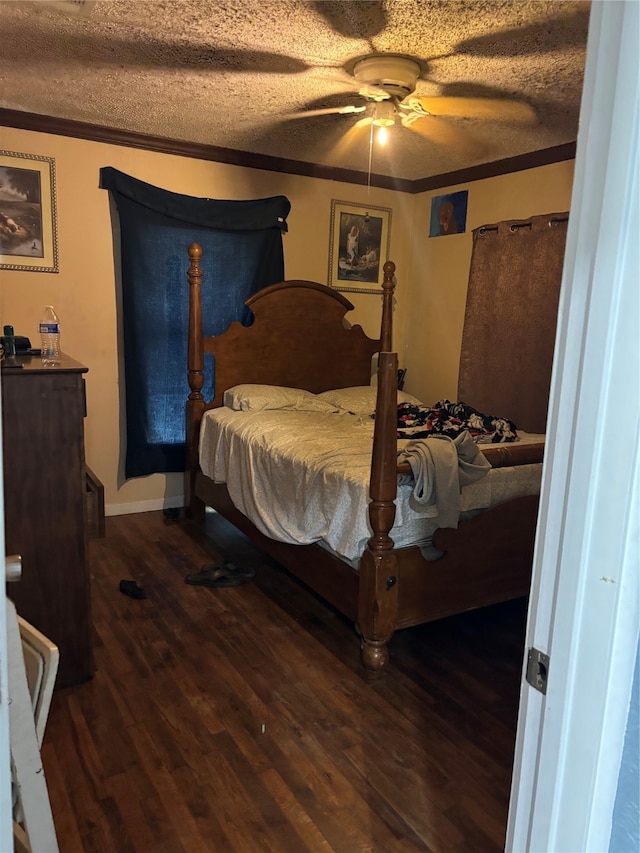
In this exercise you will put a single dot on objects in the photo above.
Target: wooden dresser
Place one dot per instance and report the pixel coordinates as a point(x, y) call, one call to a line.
point(45, 509)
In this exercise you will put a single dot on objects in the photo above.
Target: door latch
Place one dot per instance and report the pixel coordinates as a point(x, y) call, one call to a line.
point(13, 567)
point(537, 669)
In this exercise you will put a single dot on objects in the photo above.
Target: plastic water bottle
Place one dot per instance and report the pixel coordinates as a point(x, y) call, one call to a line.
point(50, 336)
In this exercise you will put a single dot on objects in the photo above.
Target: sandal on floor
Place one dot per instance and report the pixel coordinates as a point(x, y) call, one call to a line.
point(214, 576)
point(131, 589)
point(240, 571)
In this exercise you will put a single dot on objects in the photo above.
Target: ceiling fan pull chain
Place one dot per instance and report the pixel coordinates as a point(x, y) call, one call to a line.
point(369, 168)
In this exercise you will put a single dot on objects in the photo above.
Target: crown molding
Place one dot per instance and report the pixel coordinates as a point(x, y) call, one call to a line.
point(521, 163)
point(113, 136)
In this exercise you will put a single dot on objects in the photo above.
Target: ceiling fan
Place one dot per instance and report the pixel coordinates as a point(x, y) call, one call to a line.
point(384, 87)
point(387, 89)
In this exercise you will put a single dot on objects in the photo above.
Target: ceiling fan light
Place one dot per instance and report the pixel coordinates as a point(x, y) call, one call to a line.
point(384, 114)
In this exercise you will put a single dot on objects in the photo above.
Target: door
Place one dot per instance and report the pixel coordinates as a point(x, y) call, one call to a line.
point(6, 818)
point(584, 609)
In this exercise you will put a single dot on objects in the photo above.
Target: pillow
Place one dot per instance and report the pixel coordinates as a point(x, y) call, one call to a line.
point(256, 398)
point(360, 399)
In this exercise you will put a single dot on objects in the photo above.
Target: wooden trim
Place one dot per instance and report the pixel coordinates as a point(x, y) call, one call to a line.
point(182, 148)
point(249, 160)
point(521, 163)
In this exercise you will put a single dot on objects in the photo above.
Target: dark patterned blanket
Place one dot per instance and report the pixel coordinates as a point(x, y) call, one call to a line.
point(446, 418)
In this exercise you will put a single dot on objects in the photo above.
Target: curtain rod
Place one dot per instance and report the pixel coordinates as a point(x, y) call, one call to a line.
point(516, 226)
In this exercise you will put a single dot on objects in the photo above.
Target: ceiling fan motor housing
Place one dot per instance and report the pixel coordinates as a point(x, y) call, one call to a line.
point(395, 74)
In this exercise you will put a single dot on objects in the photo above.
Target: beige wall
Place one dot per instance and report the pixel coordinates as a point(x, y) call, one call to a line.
point(440, 270)
point(84, 292)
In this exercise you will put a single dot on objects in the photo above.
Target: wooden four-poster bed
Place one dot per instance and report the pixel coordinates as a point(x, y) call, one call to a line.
point(299, 340)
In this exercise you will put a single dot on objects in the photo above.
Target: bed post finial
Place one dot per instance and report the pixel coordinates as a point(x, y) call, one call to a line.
point(195, 371)
point(388, 287)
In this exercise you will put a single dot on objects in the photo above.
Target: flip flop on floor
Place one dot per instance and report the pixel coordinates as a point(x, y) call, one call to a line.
point(215, 576)
point(132, 589)
point(241, 571)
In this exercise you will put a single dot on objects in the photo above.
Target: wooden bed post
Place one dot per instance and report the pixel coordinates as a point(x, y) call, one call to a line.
point(378, 590)
point(386, 323)
point(195, 376)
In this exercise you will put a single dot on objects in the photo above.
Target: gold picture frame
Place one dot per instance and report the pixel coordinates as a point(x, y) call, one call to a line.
point(358, 246)
point(28, 220)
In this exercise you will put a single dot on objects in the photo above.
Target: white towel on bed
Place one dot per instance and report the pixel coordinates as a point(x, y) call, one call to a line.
point(441, 467)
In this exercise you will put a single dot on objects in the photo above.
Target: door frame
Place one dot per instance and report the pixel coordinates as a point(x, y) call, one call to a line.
point(584, 609)
point(6, 804)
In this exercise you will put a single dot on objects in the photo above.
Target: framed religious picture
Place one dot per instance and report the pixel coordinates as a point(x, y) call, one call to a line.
point(358, 246)
point(28, 223)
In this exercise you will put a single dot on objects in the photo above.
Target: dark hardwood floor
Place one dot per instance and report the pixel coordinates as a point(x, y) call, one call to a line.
point(241, 720)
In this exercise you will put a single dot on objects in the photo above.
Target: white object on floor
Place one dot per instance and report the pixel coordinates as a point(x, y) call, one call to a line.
point(41, 658)
point(33, 664)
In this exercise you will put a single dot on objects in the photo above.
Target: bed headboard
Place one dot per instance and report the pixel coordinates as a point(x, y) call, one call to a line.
point(299, 338)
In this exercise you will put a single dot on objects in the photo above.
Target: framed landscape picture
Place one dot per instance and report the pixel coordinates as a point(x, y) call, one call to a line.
point(28, 224)
point(358, 246)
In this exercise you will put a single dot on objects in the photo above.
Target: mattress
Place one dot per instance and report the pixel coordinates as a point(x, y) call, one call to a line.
point(303, 477)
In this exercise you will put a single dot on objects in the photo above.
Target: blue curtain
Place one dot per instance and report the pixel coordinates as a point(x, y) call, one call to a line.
point(242, 252)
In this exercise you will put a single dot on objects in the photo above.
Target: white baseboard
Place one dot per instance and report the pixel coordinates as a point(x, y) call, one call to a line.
point(144, 506)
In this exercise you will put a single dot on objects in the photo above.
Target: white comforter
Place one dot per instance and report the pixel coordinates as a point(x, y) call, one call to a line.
point(303, 477)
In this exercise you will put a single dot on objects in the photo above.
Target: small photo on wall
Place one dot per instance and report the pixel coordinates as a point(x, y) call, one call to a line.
point(449, 214)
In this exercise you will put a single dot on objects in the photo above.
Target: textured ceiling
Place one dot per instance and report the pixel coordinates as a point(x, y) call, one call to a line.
point(227, 73)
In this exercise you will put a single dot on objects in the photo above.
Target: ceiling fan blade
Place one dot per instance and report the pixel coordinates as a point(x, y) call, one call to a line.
point(543, 36)
point(357, 19)
point(88, 48)
point(326, 111)
point(441, 132)
point(496, 109)
point(352, 139)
